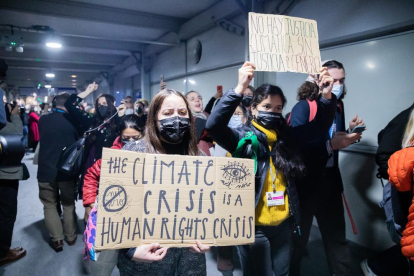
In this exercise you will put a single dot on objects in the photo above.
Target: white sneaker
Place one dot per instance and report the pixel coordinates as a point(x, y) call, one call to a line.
point(365, 268)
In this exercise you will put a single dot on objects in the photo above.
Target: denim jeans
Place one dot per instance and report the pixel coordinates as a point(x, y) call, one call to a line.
point(271, 251)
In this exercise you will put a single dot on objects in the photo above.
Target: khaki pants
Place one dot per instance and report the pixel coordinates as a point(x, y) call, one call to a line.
point(48, 193)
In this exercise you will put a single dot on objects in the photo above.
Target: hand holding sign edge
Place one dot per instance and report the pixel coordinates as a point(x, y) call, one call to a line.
point(199, 247)
point(149, 253)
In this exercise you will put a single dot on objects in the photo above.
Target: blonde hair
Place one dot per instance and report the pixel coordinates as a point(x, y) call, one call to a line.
point(408, 139)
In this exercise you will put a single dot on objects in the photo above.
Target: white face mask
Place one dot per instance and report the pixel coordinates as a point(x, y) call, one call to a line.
point(338, 89)
point(49, 109)
point(35, 109)
point(129, 111)
point(235, 121)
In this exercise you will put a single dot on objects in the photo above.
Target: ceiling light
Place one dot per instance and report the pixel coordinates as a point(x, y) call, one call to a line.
point(19, 49)
point(73, 76)
point(54, 45)
point(370, 65)
point(50, 75)
point(48, 86)
point(73, 80)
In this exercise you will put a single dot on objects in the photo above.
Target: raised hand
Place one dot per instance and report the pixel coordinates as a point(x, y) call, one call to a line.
point(355, 122)
point(325, 82)
point(91, 87)
point(246, 74)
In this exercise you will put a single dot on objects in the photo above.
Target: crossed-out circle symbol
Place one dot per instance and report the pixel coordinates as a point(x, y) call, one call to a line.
point(121, 191)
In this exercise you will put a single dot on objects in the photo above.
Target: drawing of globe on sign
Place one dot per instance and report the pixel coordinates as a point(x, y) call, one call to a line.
point(114, 199)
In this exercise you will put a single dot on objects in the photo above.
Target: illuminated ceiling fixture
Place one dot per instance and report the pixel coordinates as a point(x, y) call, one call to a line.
point(54, 45)
point(50, 75)
point(48, 86)
point(73, 80)
point(73, 76)
point(53, 41)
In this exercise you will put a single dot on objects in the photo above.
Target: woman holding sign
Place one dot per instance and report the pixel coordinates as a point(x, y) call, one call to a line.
point(169, 131)
point(278, 165)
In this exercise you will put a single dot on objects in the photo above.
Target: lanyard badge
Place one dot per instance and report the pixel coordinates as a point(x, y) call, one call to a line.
point(274, 198)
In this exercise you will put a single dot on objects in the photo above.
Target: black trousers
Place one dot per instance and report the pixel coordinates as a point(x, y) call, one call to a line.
point(271, 252)
point(325, 203)
point(8, 213)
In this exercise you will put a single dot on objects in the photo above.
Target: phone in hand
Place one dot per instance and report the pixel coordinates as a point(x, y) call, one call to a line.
point(220, 89)
point(359, 129)
point(162, 77)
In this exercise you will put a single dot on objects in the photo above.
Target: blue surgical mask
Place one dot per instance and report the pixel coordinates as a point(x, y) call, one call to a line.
point(235, 121)
point(338, 89)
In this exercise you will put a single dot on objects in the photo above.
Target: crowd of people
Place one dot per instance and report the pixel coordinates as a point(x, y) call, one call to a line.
point(296, 158)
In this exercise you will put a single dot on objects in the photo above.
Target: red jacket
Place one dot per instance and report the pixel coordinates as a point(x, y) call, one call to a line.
point(92, 176)
point(401, 172)
point(33, 127)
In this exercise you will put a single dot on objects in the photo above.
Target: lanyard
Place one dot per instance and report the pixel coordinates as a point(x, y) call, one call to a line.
point(273, 177)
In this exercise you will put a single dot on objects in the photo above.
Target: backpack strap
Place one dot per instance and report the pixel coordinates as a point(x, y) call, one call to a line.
point(313, 108)
point(250, 139)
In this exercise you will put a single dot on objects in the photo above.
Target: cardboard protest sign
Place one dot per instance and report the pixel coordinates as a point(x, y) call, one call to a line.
point(279, 43)
point(174, 200)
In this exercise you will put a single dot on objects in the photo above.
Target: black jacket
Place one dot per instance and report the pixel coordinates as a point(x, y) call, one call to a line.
point(228, 138)
point(56, 132)
point(390, 140)
point(315, 155)
point(96, 140)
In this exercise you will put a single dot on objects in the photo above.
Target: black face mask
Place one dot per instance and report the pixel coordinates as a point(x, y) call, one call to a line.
point(269, 120)
point(246, 101)
point(173, 129)
point(138, 110)
point(103, 111)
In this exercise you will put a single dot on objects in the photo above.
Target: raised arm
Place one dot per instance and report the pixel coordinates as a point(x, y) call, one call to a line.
point(78, 116)
point(217, 123)
point(302, 132)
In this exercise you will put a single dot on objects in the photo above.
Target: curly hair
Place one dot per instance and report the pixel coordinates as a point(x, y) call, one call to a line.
point(308, 91)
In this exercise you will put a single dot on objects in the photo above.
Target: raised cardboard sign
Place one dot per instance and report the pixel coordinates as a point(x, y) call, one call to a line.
point(279, 43)
point(174, 200)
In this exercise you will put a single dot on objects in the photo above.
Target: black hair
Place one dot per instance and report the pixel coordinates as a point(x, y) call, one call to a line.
point(333, 64)
point(330, 64)
point(8, 114)
point(132, 121)
point(244, 110)
point(264, 91)
point(110, 101)
point(60, 100)
point(284, 156)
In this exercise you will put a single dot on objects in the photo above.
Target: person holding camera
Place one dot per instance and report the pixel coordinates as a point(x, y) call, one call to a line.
point(11, 172)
